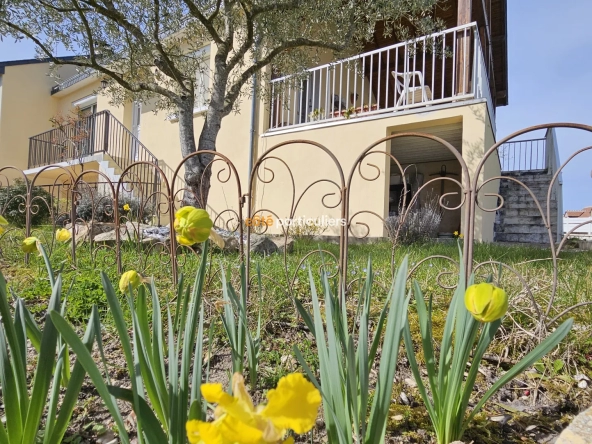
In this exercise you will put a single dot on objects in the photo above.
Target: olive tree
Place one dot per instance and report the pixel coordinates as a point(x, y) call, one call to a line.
point(149, 50)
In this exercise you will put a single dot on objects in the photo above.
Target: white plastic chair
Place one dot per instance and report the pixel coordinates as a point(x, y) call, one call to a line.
point(406, 88)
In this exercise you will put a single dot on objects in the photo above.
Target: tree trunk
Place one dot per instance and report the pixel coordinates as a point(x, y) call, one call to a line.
point(198, 169)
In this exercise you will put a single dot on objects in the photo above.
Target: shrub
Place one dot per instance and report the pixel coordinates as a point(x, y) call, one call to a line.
point(12, 201)
point(99, 207)
point(420, 224)
point(307, 229)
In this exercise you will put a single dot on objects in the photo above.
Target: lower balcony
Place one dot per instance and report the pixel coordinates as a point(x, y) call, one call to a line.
point(440, 68)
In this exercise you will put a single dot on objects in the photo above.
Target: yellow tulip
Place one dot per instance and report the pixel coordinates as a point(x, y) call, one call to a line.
point(63, 235)
point(292, 405)
point(126, 207)
point(486, 302)
point(3, 222)
point(128, 278)
point(192, 225)
point(29, 245)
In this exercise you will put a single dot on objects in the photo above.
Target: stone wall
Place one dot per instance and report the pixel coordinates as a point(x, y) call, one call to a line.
point(519, 220)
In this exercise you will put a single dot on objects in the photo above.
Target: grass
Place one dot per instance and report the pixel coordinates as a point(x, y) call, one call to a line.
point(530, 268)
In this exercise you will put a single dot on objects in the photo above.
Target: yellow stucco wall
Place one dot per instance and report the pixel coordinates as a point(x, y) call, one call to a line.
point(25, 109)
point(346, 141)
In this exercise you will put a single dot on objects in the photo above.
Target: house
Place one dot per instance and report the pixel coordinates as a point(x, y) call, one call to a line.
point(578, 223)
point(446, 85)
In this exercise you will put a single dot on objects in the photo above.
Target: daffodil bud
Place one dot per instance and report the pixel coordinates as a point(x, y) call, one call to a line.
point(486, 302)
point(29, 245)
point(128, 278)
point(192, 225)
point(63, 235)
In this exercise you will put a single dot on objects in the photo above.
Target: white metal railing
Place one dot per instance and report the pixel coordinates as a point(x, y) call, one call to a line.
point(416, 73)
point(524, 155)
point(78, 77)
point(484, 78)
point(581, 226)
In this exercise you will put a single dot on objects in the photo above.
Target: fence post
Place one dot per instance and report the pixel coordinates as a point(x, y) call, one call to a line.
point(106, 134)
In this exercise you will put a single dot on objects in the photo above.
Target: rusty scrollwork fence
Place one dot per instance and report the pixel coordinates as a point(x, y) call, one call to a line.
point(126, 223)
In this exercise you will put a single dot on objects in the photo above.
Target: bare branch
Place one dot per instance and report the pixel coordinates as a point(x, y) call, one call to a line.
point(234, 90)
point(62, 10)
point(195, 12)
point(143, 86)
point(248, 42)
point(116, 16)
point(168, 67)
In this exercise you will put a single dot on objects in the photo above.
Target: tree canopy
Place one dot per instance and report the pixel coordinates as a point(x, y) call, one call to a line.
point(151, 49)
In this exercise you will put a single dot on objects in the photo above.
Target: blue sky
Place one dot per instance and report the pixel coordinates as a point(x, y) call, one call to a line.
point(550, 80)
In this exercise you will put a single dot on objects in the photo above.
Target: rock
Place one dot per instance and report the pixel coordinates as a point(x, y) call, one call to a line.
point(107, 438)
point(159, 234)
point(501, 418)
point(404, 398)
point(410, 382)
point(84, 231)
point(283, 243)
point(581, 377)
point(263, 245)
point(397, 417)
point(135, 229)
point(583, 384)
point(109, 238)
point(231, 244)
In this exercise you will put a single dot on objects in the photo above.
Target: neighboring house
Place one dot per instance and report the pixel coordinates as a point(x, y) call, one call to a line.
point(579, 223)
point(448, 85)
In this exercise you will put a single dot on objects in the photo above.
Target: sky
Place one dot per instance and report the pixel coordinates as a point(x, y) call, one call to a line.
point(550, 80)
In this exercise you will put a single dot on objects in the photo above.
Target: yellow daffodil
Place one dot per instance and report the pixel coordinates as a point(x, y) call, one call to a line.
point(126, 207)
point(486, 302)
point(292, 405)
point(29, 245)
point(456, 233)
point(63, 235)
point(461, 236)
point(128, 278)
point(192, 225)
point(3, 223)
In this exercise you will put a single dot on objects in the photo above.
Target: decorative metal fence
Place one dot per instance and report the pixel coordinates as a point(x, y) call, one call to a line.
point(134, 212)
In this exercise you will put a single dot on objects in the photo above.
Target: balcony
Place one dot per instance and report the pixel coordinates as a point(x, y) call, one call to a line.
point(94, 136)
point(437, 69)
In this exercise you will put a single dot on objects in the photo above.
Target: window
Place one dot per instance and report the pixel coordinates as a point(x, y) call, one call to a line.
point(202, 84)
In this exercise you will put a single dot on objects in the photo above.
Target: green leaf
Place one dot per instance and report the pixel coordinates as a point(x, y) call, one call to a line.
point(17, 363)
point(84, 357)
point(151, 425)
point(45, 368)
point(537, 353)
point(388, 360)
point(14, 421)
point(76, 380)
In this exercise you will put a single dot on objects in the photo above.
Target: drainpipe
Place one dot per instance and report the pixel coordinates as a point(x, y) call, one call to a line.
point(253, 109)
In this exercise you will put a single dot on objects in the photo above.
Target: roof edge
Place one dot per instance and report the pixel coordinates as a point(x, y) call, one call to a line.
point(6, 63)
